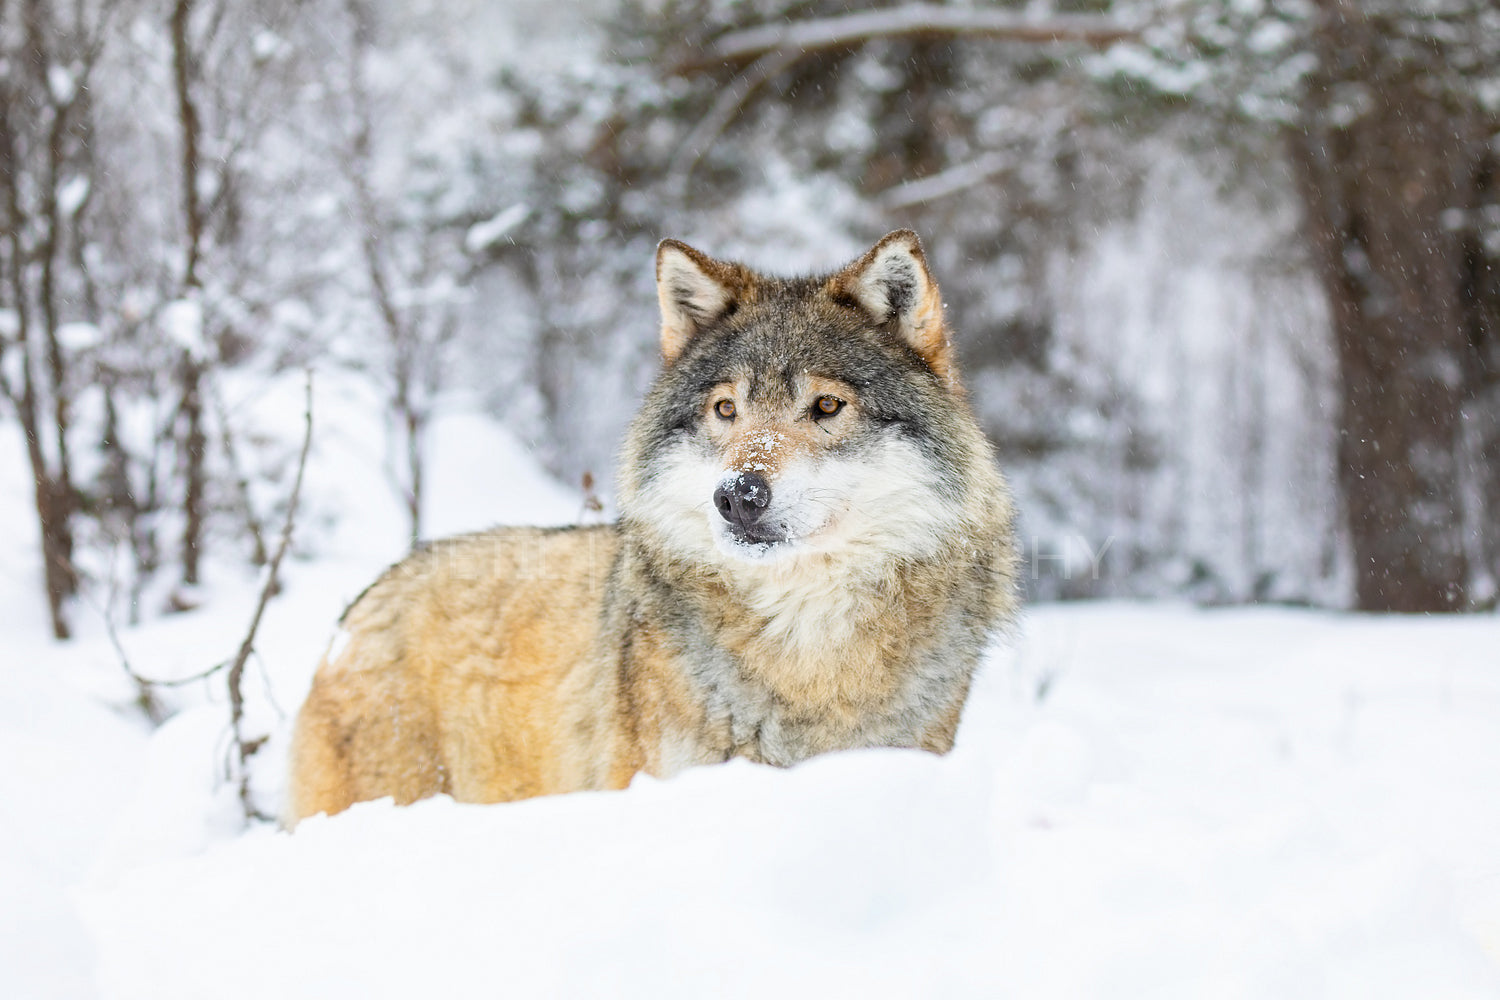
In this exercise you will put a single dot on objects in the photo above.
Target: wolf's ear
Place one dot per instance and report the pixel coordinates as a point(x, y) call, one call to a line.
point(891, 283)
point(694, 290)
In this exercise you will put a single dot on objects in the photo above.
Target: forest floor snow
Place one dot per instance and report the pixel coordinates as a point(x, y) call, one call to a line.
point(1146, 800)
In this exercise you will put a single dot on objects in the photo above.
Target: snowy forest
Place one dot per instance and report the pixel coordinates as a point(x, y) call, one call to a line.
point(324, 279)
point(1222, 274)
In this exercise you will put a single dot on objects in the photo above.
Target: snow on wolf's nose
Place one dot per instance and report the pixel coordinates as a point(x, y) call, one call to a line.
point(742, 500)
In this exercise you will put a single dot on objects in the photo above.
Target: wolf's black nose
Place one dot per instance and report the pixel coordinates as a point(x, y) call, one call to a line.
point(743, 499)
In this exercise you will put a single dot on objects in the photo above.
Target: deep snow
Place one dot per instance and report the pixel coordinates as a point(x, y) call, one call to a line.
point(1146, 800)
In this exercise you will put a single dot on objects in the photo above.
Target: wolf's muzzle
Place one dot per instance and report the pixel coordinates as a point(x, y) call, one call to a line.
point(742, 501)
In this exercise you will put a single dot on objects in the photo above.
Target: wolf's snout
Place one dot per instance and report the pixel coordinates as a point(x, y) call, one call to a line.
point(743, 499)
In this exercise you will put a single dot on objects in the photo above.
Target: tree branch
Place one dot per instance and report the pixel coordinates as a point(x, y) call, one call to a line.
point(145, 693)
point(241, 479)
point(237, 666)
point(946, 182)
point(244, 749)
point(911, 21)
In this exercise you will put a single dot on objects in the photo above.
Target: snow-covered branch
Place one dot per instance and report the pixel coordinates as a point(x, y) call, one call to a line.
point(914, 20)
point(946, 182)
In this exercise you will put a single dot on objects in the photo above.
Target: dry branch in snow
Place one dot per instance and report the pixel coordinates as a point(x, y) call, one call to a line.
point(243, 748)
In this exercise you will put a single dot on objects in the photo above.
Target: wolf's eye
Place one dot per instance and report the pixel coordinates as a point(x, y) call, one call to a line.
point(725, 408)
point(826, 406)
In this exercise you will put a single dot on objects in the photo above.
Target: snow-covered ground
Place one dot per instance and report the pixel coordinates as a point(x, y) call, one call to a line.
point(1146, 801)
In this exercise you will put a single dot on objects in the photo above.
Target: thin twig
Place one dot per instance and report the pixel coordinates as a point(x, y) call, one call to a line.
point(592, 505)
point(184, 681)
point(145, 697)
point(265, 676)
point(237, 471)
point(237, 666)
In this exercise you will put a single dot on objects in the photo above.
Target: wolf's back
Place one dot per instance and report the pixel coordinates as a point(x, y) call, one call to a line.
point(445, 674)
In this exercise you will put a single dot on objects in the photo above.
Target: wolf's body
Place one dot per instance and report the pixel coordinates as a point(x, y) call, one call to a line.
point(814, 549)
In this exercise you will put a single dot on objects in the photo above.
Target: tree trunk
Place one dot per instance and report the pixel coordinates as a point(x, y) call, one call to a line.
point(1383, 162)
point(191, 370)
point(54, 506)
point(1481, 300)
point(416, 426)
point(31, 234)
point(187, 118)
point(194, 444)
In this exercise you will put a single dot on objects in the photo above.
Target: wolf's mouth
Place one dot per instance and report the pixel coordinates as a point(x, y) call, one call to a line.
point(757, 535)
point(756, 543)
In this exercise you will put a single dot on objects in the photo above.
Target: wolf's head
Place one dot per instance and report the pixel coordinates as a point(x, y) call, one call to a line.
point(806, 417)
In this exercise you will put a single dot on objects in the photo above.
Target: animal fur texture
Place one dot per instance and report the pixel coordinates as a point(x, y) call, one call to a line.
point(814, 548)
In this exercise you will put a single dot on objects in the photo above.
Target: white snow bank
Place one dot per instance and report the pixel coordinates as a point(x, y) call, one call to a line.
point(66, 763)
point(1259, 803)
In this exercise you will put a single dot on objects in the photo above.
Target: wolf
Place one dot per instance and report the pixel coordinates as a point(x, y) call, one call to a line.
point(814, 548)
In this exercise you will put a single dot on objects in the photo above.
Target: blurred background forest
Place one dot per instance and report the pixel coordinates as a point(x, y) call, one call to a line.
point(1222, 273)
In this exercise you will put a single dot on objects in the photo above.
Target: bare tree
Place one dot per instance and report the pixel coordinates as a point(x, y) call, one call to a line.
point(48, 56)
point(225, 100)
point(407, 286)
point(192, 440)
